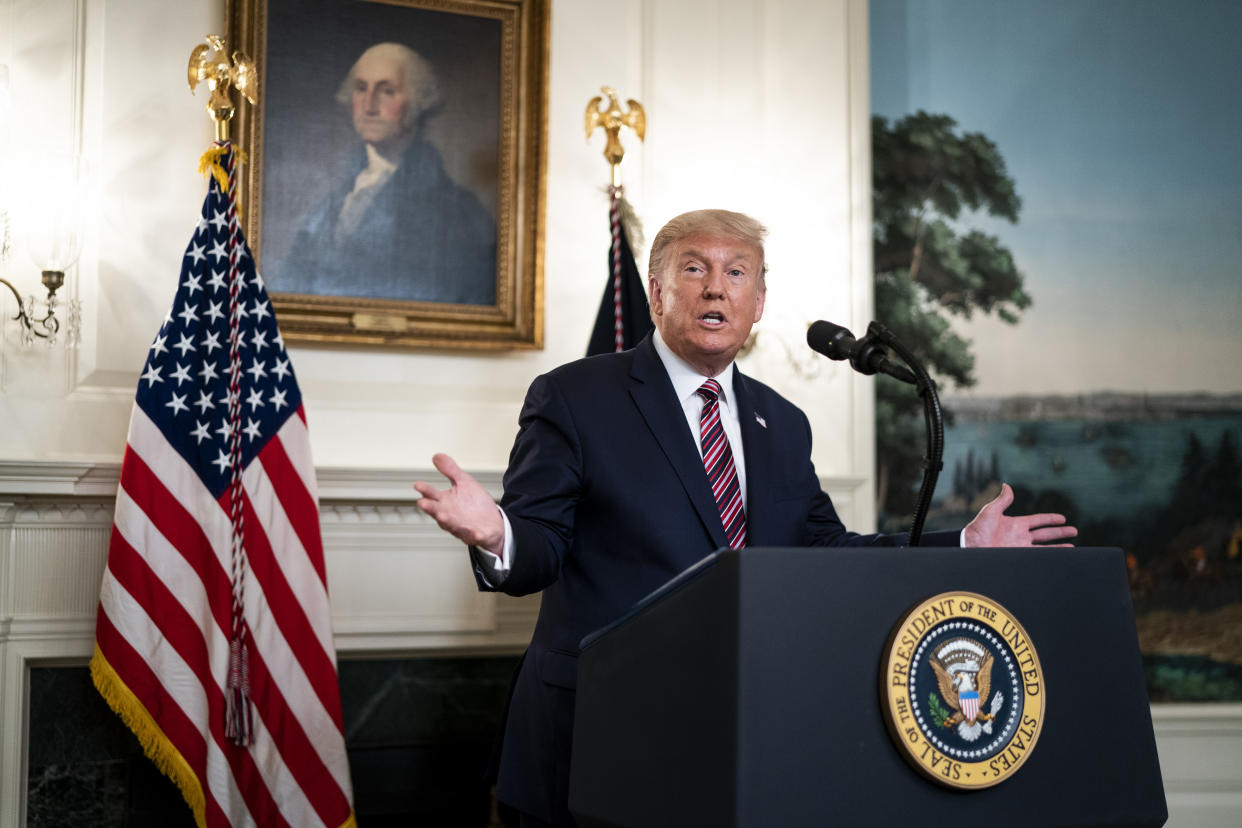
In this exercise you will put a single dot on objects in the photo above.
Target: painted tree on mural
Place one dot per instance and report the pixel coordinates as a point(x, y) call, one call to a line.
point(926, 174)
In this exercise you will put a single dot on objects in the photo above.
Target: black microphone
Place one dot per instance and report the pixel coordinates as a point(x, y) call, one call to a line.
point(831, 340)
point(866, 355)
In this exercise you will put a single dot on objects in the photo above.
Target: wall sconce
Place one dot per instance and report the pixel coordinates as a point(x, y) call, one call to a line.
point(48, 325)
point(54, 218)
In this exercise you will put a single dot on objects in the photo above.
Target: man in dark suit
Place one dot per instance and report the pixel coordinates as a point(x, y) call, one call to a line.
point(630, 467)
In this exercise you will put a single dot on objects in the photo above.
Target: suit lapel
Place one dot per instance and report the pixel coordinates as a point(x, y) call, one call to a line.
point(757, 449)
point(653, 393)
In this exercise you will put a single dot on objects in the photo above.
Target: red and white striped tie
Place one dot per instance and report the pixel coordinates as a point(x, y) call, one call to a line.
point(718, 461)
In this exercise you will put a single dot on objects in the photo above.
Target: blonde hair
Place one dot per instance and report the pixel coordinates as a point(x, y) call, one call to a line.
point(725, 223)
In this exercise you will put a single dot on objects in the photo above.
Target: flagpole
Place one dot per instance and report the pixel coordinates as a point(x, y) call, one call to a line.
point(210, 62)
point(611, 118)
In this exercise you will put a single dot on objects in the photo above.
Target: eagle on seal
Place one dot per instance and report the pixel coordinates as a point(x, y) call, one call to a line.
point(965, 691)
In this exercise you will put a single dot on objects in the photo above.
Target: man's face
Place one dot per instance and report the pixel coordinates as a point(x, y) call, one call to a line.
point(708, 298)
point(381, 100)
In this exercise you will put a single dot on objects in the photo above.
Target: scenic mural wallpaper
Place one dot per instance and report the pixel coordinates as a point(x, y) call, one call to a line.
point(1058, 231)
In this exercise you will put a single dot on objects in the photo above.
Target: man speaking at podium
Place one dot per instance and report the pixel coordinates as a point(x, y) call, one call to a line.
point(630, 467)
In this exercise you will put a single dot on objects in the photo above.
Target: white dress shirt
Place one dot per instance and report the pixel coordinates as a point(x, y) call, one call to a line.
point(368, 183)
point(686, 382)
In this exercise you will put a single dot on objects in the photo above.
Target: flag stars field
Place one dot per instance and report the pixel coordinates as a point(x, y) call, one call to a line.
point(177, 404)
point(152, 376)
point(187, 352)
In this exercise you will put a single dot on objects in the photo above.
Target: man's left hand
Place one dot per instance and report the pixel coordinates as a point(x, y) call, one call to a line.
point(992, 527)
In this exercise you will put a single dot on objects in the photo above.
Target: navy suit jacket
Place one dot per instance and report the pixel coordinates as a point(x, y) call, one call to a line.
point(608, 499)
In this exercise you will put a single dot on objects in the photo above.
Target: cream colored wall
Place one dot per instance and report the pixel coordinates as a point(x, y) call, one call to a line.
point(749, 107)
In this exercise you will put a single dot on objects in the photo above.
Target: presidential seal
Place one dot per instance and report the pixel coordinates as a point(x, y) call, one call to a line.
point(963, 690)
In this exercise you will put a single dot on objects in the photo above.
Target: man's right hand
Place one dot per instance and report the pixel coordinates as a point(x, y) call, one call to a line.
point(465, 509)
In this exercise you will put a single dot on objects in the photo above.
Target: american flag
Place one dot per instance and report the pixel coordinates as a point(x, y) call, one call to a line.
point(166, 611)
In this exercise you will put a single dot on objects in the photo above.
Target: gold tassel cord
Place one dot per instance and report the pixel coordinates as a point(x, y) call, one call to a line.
point(158, 748)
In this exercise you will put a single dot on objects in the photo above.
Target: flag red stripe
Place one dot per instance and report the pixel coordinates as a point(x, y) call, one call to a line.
point(129, 568)
point(169, 521)
point(296, 749)
point(176, 524)
point(146, 687)
point(176, 626)
point(298, 503)
point(171, 518)
point(287, 612)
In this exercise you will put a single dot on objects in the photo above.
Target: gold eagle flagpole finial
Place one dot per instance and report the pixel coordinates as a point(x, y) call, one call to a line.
point(611, 118)
point(210, 62)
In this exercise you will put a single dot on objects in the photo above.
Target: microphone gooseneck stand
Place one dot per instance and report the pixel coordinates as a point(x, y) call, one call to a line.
point(933, 420)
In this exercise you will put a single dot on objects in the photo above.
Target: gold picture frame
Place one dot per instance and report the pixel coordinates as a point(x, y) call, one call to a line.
point(412, 273)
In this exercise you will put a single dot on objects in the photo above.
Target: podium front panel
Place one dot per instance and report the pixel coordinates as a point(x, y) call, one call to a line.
point(758, 700)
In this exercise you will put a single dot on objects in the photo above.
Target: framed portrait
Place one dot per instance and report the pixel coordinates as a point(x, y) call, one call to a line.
point(394, 190)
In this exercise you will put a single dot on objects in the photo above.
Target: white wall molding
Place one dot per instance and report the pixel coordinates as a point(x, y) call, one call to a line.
point(1200, 749)
point(397, 581)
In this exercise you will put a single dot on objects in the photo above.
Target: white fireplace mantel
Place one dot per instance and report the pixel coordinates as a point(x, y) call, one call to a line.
point(399, 586)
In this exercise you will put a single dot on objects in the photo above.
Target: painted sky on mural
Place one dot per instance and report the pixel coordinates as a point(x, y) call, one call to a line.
point(1120, 122)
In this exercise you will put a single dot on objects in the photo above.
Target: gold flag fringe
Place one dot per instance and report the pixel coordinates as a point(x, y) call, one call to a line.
point(209, 163)
point(158, 748)
point(154, 743)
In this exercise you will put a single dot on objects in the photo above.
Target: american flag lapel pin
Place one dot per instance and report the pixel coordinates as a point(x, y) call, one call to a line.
point(760, 420)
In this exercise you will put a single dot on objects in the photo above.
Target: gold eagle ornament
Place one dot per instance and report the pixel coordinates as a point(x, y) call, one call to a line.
point(210, 62)
point(612, 118)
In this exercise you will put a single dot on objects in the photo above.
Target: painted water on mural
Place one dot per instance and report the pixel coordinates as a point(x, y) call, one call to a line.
point(1108, 469)
point(1158, 476)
